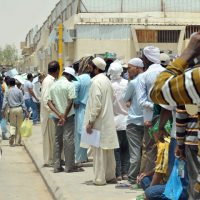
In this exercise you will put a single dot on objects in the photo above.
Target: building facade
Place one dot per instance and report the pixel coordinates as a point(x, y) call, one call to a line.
point(120, 26)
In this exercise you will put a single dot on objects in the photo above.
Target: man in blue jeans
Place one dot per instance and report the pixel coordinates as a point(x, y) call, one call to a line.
point(28, 97)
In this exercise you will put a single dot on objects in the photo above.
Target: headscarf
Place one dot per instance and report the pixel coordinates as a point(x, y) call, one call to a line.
point(152, 54)
point(115, 70)
point(137, 62)
point(84, 65)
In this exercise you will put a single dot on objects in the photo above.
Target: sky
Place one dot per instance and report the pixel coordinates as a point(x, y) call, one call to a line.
point(17, 17)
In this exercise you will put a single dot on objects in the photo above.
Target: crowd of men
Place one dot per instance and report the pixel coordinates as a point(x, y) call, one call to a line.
point(125, 107)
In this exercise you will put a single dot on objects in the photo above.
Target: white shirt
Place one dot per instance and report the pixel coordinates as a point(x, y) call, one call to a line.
point(27, 85)
point(145, 82)
point(37, 91)
point(119, 106)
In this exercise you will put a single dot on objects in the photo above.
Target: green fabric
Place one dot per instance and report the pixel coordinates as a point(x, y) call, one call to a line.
point(140, 197)
point(135, 187)
point(109, 55)
point(155, 127)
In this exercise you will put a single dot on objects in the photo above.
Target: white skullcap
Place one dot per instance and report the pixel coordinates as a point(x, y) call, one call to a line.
point(71, 71)
point(115, 70)
point(136, 62)
point(164, 59)
point(100, 63)
point(152, 54)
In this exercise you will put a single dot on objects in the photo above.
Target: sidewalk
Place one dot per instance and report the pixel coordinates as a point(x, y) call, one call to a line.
point(73, 186)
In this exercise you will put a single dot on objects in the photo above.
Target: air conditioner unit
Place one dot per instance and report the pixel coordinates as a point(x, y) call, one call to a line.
point(72, 33)
point(69, 35)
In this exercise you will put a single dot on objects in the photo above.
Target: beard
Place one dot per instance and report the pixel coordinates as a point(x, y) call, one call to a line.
point(92, 74)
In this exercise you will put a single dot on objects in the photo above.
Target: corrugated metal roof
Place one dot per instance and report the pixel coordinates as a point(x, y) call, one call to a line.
point(140, 5)
point(182, 5)
point(143, 24)
point(103, 31)
point(101, 6)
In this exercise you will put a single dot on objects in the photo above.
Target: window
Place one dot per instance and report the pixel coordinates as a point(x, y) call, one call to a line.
point(158, 36)
point(190, 30)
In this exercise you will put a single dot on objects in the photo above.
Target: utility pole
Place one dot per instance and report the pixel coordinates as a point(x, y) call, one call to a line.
point(60, 46)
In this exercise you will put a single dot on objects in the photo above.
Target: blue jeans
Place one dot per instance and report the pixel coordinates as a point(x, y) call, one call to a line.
point(122, 154)
point(155, 192)
point(152, 192)
point(172, 147)
point(31, 104)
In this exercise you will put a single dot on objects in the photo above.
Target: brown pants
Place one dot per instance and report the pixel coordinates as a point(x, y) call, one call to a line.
point(16, 119)
point(149, 151)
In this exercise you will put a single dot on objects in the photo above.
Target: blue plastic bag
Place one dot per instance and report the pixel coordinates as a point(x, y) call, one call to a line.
point(174, 186)
point(4, 125)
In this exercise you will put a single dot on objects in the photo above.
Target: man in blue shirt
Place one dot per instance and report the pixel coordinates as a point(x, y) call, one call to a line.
point(135, 128)
point(151, 59)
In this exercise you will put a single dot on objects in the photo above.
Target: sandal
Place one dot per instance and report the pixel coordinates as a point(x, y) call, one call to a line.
point(123, 186)
point(119, 178)
point(112, 181)
point(75, 169)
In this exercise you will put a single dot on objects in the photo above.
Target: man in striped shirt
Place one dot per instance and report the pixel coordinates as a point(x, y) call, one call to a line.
point(176, 86)
point(187, 140)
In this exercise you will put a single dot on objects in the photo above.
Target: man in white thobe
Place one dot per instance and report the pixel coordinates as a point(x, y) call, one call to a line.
point(47, 124)
point(99, 115)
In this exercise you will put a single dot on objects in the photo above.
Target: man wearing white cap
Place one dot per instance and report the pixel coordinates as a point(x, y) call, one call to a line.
point(151, 59)
point(99, 115)
point(119, 85)
point(135, 122)
point(62, 94)
point(164, 59)
point(135, 67)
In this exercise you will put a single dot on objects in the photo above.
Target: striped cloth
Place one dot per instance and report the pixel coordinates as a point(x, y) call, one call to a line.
point(177, 87)
point(186, 127)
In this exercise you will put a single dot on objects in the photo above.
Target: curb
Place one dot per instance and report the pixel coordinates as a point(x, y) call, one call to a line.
point(52, 185)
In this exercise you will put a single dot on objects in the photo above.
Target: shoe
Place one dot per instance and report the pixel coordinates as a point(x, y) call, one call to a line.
point(62, 162)
point(57, 170)
point(19, 145)
point(79, 164)
point(36, 123)
point(75, 169)
point(112, 181)
point(48, 165)
point(125, 177)
point(119, 178)
point(11, 140)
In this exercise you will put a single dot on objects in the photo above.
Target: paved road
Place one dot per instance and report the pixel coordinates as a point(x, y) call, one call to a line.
point(19, 179)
